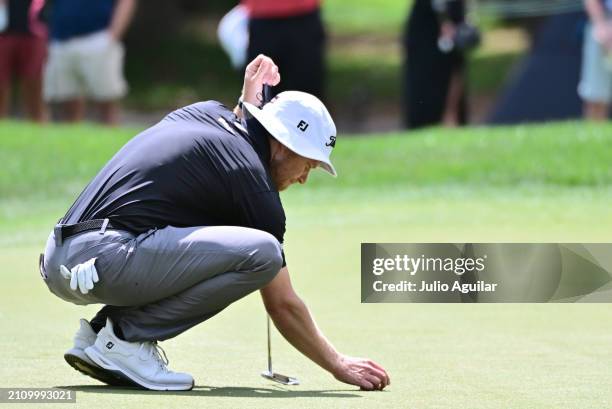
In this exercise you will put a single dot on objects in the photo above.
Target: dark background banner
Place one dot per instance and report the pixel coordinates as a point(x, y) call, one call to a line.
point(486, 272)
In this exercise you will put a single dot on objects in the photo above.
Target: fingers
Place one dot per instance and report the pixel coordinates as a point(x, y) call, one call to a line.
point(89, 269)
point(380, 368)
point(366, 385)
point(273, 77)
point(267, 70)
point(95, 274)
point(260, 66)
point(253, 66)
point(65, 272)
point(371, 382)
point(81, 275)
point(254, 69)
point(373, 376)
point(380, 375)
point(88, 273)
point(73, 279)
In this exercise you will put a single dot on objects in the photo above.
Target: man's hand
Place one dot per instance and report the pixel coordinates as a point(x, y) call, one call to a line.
point(366, 374)
point(448, 30)
point(261, 70)
point(83, 275)
point(603, 34)
point(293, 320)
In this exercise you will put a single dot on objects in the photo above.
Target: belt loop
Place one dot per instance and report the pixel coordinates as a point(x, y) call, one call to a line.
point(104, 224)
point(57, 233)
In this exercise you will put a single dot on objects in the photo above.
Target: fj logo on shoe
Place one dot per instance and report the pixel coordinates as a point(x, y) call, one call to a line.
point(332, 142)
point(302, 126)
point(109, 345)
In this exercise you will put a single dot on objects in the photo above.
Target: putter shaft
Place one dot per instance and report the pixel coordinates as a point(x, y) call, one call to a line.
point(269, 347)
point(276, 377)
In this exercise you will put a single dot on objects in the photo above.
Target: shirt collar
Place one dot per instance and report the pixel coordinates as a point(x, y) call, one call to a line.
point(259, 138)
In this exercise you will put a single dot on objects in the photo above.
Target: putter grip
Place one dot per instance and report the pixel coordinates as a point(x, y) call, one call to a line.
point(266, 93)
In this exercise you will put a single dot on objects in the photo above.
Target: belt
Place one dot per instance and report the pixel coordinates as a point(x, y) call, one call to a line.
point(65, 231)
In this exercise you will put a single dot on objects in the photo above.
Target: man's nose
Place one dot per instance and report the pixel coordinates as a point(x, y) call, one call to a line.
point(302, 179)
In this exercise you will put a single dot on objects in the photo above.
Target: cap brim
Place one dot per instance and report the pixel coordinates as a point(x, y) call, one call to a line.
point(283, 135)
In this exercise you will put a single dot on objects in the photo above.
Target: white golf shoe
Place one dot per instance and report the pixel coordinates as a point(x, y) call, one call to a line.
point(144, 363)
point(76, 357)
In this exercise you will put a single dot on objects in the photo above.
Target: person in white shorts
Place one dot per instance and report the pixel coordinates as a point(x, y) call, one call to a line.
point(86, 57)
point(595, 86)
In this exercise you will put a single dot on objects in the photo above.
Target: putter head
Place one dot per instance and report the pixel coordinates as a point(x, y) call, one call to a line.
point(276, 377)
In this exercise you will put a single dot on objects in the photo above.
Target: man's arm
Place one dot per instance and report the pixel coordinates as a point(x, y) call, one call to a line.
point(602, 28)
point(122, 16)
point(595, 10)
point(293, 320)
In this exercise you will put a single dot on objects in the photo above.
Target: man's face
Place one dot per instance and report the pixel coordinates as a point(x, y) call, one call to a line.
point(287, 168)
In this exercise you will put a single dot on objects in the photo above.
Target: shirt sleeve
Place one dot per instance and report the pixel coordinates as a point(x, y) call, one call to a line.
point(264, 211)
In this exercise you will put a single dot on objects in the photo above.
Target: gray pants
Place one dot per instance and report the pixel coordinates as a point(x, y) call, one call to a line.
point(160, 283)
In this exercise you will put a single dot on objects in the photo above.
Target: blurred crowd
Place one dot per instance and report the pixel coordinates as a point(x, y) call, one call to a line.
point(66, 55)
point(595, 86)
point(292, 33)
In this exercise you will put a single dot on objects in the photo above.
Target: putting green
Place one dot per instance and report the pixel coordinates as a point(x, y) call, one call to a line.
point(438, 356)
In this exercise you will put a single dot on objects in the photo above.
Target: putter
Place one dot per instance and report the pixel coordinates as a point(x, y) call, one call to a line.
point(271, 375)
point(266, 95)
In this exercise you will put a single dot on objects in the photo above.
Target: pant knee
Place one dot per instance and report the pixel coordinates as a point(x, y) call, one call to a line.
point(269, 258)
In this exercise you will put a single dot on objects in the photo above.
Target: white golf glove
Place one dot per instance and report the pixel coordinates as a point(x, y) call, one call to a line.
point(83, 275)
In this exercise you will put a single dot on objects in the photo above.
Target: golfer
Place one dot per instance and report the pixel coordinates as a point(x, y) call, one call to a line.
point(186, 219)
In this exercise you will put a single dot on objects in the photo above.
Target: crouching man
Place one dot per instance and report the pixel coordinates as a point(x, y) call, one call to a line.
point(186, 219)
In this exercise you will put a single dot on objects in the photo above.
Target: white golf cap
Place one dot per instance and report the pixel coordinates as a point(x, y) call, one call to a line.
point(301, 122)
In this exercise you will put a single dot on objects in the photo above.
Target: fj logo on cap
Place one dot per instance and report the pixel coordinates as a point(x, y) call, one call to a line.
point(109, 345)
point(332, 142)
point(302, 126)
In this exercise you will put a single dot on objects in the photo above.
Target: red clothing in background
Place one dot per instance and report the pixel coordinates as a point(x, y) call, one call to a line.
point(279, 8)
point(22, 56)
point(23, 46)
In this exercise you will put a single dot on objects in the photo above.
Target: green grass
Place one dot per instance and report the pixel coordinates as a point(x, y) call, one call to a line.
point(529, 183)
point(371, 16)
point(562, 154)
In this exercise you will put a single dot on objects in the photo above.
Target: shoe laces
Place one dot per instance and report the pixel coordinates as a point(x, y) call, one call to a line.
point(156, 352)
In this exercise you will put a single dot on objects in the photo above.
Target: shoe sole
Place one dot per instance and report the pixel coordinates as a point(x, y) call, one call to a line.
point(96, 372)
point(125, 373)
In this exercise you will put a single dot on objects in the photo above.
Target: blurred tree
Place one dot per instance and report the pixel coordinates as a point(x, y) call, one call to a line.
point(163, 19)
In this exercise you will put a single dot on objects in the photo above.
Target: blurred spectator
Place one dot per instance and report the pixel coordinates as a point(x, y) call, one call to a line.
point(292, 34)
point(595, 87)
point(434, 72)
point(23, 47)
point(86, 56)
